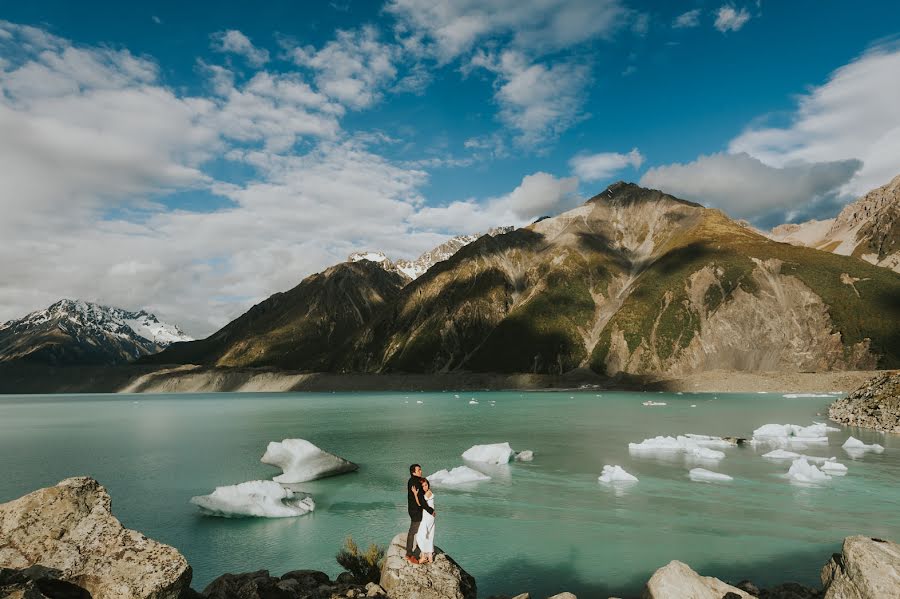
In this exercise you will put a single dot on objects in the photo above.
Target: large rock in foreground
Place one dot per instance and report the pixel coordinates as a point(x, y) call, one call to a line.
point(676, 580)
point(70, 528)
point(443, 579)
point(866, 568)
point(876, 404)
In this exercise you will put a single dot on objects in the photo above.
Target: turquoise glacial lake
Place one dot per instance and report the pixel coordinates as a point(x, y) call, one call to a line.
point(542, 527)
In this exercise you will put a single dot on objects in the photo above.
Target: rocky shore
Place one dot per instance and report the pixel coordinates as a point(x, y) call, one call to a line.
point(875, 405)
point(63, 542)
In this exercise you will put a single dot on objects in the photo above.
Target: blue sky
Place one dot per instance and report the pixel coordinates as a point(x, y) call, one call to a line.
point(169, 153)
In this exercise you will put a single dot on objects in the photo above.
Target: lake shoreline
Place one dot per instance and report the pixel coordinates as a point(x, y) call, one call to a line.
point(34, 379)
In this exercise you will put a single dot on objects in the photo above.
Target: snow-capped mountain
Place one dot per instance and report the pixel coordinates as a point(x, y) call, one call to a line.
point(413, 269)
point(77, 332)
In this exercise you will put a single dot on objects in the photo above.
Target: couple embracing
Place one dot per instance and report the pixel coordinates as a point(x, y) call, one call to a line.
point(420, 505)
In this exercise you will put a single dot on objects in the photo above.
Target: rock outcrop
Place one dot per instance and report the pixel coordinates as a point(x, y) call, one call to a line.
point(38, 582)
point(297, 584)
point(866, 568)
point(876, 405)
point(442, 579)
point(70, 528)
point(676, 579)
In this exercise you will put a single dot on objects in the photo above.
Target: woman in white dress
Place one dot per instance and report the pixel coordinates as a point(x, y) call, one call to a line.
point(425, 536)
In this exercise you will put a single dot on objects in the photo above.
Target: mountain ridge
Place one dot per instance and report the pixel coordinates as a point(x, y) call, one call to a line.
point(78, 332)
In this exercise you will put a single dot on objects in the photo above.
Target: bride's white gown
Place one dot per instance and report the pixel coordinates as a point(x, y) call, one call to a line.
point(425, 536)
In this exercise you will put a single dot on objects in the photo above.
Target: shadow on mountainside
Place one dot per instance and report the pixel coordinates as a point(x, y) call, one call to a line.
point(518, 575)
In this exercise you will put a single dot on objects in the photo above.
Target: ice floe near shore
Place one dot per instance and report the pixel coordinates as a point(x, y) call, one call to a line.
point(616, 474)
point(458, 476)
point(259, 498)
point(802, 471)
point(792, 435)
point(857, 448)
point(301, 461)
point(707, 476)
point(781, 454)
point(525, 456)
point(804, 395)
point(495, 453)
point(697, 446)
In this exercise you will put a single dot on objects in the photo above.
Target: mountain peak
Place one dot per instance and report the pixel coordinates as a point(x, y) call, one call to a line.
point(623, 192)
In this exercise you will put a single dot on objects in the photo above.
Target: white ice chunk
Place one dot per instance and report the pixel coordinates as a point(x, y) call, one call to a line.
point(834, 468)
point(616, 474)
point(802, 471)
point(703, 475)
point(458, 476)
point(801, 395)
point(694, 446)
point(792, 435)
point(261, 498)
point(302, 461)
point(525, 456)
point(495, 453)
point(653, 403)
point(781, 454)
point(708, 441)
point(854, 445)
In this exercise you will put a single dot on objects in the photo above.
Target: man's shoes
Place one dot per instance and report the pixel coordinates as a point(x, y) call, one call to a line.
point(412, 559)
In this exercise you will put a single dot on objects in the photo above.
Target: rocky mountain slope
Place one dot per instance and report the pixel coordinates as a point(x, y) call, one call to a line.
point(302, 328)
point(869, 229)
point(634, 281)
point(412, 269)
point(74, 332)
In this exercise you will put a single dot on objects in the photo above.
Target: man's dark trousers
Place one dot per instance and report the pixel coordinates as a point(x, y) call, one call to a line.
point(415, 513)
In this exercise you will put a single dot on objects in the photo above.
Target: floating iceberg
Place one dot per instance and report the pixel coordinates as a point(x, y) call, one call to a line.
point(802, 395)
point(792, 435)
point(693, 446)
point(803, 472)
point(855, 446)
point(260, 498)
point(616, 474)
point(525, 456)
point(708, 441)
point(707, 476)
point(496, 453)
point(780, 454)
point(302, 461)
point(458, 476)
point(653, 403)
point(834, 468)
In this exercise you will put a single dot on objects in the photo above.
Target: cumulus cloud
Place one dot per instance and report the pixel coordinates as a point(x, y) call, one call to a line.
point(744, 187)
point(354, 67)
point(235, 42)
point(688, 19)
point(539, 194)
point(594, 167)
point(449, 29)
point(854, 115)
point(729, 18)
point(537, 100)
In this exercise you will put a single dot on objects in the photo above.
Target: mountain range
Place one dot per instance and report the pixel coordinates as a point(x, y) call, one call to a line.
point(74, 332)
point(634, 281)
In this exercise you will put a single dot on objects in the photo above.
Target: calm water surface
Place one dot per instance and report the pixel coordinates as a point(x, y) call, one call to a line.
point(541, 527)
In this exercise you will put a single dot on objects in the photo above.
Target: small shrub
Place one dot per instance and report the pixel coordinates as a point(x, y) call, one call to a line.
point(365, 566)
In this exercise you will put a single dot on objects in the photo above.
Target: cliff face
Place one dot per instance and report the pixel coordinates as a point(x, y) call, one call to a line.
point(636, 281)
point(300, 329)
point(868, 228)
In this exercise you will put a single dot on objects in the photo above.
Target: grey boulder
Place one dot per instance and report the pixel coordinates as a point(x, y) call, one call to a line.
point(443, 579)
point(676, 580)
point(866, 568)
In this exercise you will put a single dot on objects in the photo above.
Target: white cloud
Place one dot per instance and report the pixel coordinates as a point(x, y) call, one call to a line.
point(854, 115)
point(354, 67)
point(595, 167)
point(449, 29)
point(744, 187)
point(235, 42)
point(538, 195)
point(728, 18)
point(537, 100)
point(688, 19)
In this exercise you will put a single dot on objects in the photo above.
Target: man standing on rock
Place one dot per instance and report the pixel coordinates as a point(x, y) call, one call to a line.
point(414, 489)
